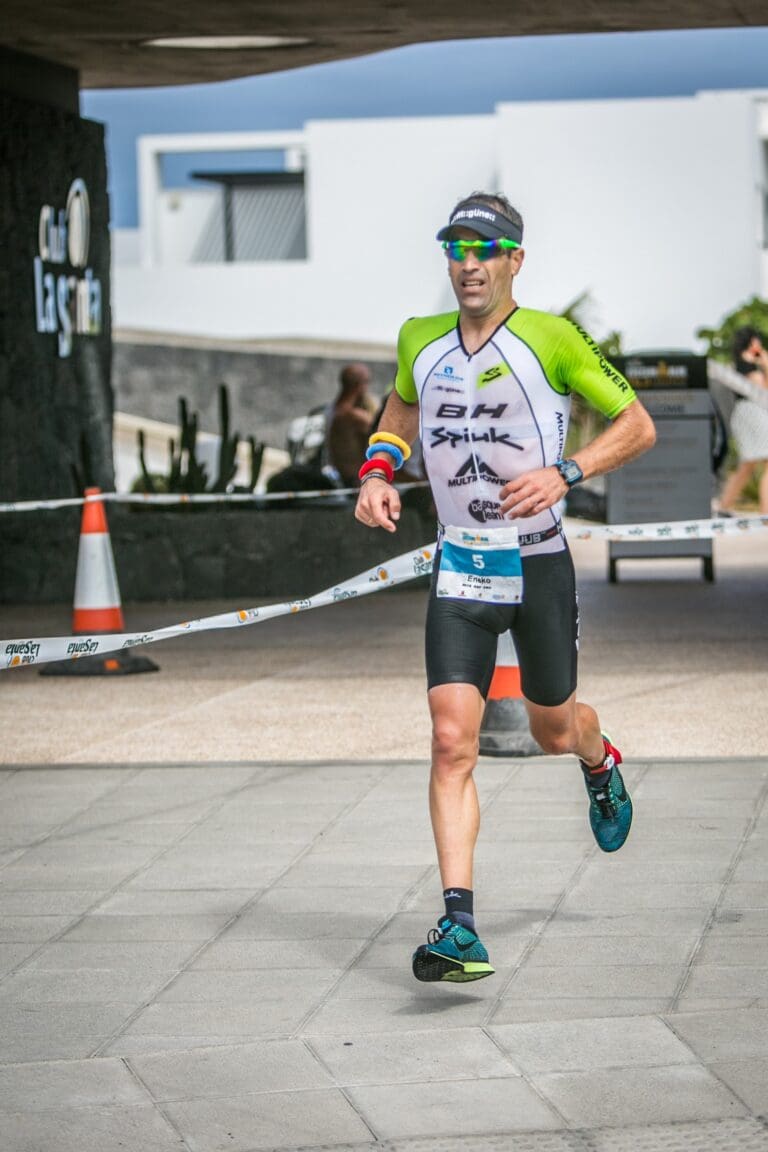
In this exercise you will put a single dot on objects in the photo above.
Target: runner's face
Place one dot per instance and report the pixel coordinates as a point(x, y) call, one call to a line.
point(483, 288)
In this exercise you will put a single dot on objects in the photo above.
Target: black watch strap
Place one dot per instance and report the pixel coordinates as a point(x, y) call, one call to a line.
point(570, 472)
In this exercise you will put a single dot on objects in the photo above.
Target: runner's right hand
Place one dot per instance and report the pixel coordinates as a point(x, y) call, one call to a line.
point(378, 505)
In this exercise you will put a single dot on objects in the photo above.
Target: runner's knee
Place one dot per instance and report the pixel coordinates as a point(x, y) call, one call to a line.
point(454, 747)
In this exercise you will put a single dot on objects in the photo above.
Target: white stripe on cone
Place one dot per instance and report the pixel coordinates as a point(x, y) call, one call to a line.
point(96, 581)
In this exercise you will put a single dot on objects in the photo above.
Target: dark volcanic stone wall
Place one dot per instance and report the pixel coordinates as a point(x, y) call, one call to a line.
point(55, 412)
point(238, 556)
point(266, 390)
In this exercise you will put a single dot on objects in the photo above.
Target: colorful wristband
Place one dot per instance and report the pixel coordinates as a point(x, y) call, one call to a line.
point(391, 450)
point(390, 438)
point(383, 466)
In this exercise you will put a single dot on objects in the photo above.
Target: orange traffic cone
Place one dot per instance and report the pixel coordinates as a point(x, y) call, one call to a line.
point(97, 608)
point(97, 605)
point(504, 730)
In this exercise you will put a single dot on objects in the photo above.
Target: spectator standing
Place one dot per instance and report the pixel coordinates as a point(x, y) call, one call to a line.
point(350, 422)
point(749, 422)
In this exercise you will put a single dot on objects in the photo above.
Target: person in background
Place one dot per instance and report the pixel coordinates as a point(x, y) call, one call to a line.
point(350, 422)
point(749, 422)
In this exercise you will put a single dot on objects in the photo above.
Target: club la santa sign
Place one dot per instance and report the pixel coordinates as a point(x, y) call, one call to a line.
point(67, 302)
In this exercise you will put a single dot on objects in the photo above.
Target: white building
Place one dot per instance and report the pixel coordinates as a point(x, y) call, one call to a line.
point(655, 206)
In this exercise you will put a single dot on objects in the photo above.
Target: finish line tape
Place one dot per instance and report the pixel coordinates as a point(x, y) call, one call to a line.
point(408, 566)
point(170, 498)
point(15, 653)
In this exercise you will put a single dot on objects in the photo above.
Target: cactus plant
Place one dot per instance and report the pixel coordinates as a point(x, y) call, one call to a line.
point(227, 445)
point(185, 472)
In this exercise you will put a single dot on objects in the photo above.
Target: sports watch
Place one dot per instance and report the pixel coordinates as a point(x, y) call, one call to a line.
point(570, 472)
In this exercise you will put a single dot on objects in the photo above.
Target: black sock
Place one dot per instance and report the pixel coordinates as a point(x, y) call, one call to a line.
point(599, 775)
point(459, 906)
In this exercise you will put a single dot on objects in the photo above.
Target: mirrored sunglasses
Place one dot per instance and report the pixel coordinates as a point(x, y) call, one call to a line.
point(483, 249)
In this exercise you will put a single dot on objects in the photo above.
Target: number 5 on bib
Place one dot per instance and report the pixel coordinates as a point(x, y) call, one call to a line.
point(483, 565)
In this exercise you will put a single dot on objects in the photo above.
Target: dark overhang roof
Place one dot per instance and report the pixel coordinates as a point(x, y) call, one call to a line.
point(105, 43)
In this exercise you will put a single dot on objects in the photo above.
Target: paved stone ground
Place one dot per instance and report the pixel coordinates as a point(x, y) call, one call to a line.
point(217, 957)
point(202, 953)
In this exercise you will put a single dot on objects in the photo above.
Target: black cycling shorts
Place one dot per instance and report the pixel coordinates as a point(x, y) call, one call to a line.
point(461, 635)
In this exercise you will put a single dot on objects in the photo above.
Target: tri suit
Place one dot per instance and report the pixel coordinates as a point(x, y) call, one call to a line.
point(486, 418)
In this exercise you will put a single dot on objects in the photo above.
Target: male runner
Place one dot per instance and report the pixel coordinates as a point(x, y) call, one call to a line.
point(488, 389)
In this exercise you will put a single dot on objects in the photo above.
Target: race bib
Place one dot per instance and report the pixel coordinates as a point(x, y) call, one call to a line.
point(483, 565)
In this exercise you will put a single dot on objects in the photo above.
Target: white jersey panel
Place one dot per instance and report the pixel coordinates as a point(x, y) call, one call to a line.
point(486, 419)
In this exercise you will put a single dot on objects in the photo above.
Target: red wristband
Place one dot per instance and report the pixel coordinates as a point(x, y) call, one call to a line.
point(382, 465)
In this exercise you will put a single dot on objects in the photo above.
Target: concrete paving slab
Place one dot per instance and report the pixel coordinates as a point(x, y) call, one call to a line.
point(453, 1108)
point(405, 1057)
point(732, 949)
point(256, 924)
point(68, 1084)
point(132, 1129)
point(15, 929)
point(247, 1069)
point(34, 903)
point(195, 902)
point(217, 1021)
point(723, 980)
point(57, 1031)
point(650, 1095)
point(270, 1121)
point(595, 951)
point(723, 1035)
point(254, 955)
point(136, 956)
point(590, 894)
point(244, 987)
point(527, 1009)
point(183, 933)
point(592, 1045)
point(224, 866)
point(420, 1010)
point(746, 895)
point(654, 922)
point(71, 865)
point(747, 1079)
point(30, 988)
point(11, 955)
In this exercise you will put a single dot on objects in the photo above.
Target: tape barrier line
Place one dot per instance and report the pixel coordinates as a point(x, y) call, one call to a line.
point(407, 566)
point(673, 530)
point(170, 498)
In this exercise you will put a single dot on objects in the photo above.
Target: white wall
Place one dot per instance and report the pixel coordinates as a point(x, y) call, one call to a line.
point(183, 217)
point(652, 205)
point(377, 191)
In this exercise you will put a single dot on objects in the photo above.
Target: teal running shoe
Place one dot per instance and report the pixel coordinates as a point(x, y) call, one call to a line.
point(610, 806)
point(453, 953)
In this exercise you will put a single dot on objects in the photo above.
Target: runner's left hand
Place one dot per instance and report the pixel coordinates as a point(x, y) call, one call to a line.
point(532, 493)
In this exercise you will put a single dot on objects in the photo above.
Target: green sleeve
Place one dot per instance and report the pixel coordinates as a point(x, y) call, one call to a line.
point(581, 367)
point(405, 385)
point(414, 336)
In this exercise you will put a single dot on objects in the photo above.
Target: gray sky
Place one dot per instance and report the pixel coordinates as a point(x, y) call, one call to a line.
point(456, 77)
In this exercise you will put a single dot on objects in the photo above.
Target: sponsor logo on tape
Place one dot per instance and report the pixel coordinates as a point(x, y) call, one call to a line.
point(86, 647)
point(344, 594)
point(132, 641)
point(299, 605)
point(422, 563)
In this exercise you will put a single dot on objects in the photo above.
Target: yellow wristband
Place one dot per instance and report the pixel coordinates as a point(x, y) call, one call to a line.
point(390, 438)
